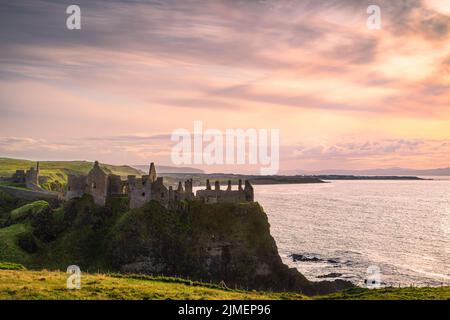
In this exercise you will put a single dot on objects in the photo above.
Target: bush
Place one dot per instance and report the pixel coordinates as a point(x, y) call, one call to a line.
point(44, 225)
point(27, 242)
point(8, 203)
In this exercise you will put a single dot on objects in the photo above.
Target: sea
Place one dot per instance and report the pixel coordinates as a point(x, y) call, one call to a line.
point(348, 229)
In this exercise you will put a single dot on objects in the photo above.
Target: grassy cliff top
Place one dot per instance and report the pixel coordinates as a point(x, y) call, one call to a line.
point(25, 284)
point(56, 172)
point(8, 166)
point(49, 285)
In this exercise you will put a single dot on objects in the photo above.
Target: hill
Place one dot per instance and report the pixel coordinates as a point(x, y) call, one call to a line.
point(54, 173)
point(376, 172)
point(205, 242)
point(168, 169)
point(223, 178)
point(46, 285)
point(24, 284)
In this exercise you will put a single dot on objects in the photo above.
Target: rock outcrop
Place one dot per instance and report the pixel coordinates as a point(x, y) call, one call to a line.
point(209, 242)
point(220, 242)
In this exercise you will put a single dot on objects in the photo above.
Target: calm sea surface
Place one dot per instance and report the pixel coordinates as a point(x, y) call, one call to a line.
point(403, 227)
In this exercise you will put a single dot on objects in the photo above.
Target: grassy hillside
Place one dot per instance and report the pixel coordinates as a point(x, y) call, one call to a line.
point(95, 238)
point(55, 172)
point(9, 247)
point(410, 293)
point(15, 284)
point(20, 232)
point(24, 284)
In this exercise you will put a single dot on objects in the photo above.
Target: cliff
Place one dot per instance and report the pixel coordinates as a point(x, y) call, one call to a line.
point(217, 242)
point(205, 242)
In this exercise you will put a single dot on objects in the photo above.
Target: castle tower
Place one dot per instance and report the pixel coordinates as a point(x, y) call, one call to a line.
point(152, 173)
point(97, 184)
point(229, 185)
point(217, 186)
point(240, 185)
point(188, 189)
point(32, 177)
point(171, 194)
point(131, 181)
point(180, 187)
point(208, 185)
point(248, 190)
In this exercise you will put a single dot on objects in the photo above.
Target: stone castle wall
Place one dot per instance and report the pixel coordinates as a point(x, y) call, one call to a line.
point(18, 176)
point(76, 186)
point(150, 187)
point(29, 177)
point(97, 184)
point(115, 185)
point(231, 196)
point(139, 191)
point(32, 195)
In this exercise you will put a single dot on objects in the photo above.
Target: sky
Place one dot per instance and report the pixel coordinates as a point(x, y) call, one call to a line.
point(342, 96)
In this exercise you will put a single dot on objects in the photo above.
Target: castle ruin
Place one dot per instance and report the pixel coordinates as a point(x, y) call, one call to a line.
point(149, 187)
point(29, 177)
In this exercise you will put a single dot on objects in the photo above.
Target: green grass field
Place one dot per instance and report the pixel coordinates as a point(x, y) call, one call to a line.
point(49, 285)
point(56, 171)
point(15, 284)
point(9, 248)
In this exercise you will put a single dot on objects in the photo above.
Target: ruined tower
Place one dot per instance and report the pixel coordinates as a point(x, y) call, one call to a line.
point(240, 185)
point(32, 177)
point(152, 173)
point(97, 184)
point(188, 190)
point(248, 190)
point(76, 186)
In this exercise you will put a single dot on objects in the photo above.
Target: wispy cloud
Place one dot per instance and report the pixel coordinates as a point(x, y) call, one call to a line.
point(153, 66)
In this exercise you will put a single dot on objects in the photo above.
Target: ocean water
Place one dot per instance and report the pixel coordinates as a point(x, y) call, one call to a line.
point(401, 227)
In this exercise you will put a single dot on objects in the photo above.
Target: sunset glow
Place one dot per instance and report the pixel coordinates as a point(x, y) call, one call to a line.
point(343, 96)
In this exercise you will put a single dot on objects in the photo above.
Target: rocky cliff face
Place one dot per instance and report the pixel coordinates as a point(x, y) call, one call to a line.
point(217, 242)
point(206, 242)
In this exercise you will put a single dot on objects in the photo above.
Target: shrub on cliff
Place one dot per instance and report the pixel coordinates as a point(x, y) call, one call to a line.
point(7, 204)
point(27, 242)
point(28, 211)
point(44, 225)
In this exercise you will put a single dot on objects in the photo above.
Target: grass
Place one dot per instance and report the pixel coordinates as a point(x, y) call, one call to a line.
point(9, 249)
point(56, 171)
point(8, 166)
point(408, 293)
point(51, 285)
point(28, 209)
